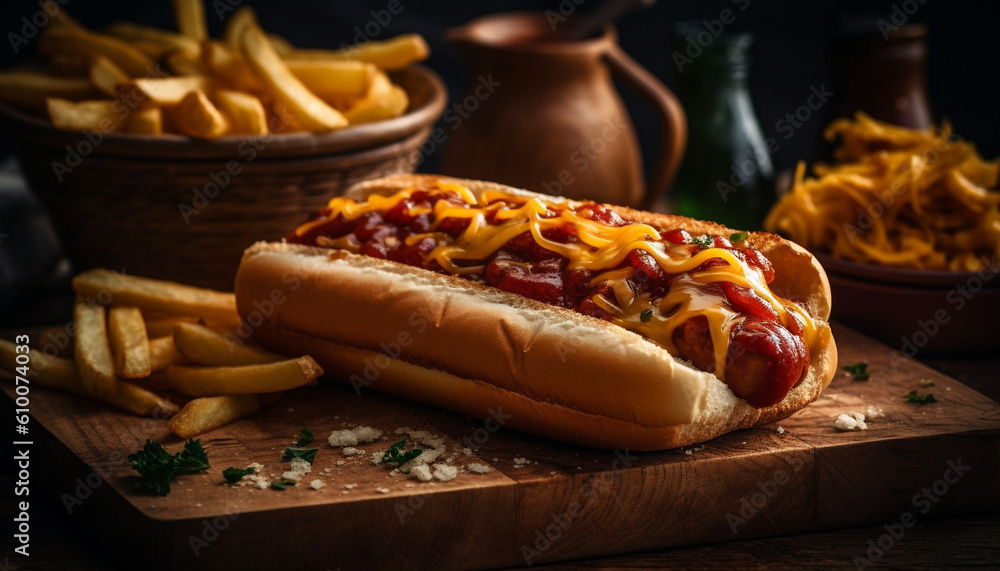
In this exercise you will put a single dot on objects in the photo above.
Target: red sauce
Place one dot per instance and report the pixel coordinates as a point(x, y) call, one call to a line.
point(765, 360)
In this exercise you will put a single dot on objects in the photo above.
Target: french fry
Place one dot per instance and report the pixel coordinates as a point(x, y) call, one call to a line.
point(246, 379)
point(145, 121)
point(383, 101)
point(141, 402)
point(183, 63)
point(168, 90)
point(190, 16)
point(230, 66)
point(69, 40)
point(47, 371)
point(311, 111)
point(330, 78)
point(30, 89)
point(390, 55)
point(162, 325)
point(197, 116)
point(165, 40)
point(281, 44)
point(61, 374)
point(236, 25)
point(163, 352)
point(204, 414)
point(244, 111)
point(91, 349)
point(152, 49)
point(129, 345)
point(157, 295)
point(207, 347)
point(106, 75)
point(78, 116)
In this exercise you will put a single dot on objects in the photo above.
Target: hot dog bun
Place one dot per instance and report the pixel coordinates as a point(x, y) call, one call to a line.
point(446, 341)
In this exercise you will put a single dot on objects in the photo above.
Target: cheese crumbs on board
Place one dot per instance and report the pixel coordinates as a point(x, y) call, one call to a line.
point(847, 423)
point(354, 436)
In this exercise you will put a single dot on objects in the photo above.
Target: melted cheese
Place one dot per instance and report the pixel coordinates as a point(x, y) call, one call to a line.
point(599, 247)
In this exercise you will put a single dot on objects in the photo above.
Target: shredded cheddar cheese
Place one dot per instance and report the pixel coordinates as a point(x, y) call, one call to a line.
point(600, 248)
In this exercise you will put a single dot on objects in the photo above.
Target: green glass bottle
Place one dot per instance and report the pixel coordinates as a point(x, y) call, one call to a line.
point(727, 175)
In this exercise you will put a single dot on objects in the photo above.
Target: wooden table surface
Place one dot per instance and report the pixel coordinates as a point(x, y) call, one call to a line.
point(968, 540)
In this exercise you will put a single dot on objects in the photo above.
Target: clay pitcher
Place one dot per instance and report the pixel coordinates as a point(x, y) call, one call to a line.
point(541, 113)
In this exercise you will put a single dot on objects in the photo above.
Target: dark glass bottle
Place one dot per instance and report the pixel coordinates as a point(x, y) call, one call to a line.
point(727, 175)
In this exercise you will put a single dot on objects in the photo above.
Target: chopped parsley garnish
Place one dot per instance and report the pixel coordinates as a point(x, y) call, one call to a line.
point(646, 315)
point(306, 437)
point(705, 241)
point(233, 475)
point(912, 396)
point(156, 466)
point(926, 383)
point(738, 237)
point(307, 454)
point(279, 486)
point(859, 370)
point(395, 453)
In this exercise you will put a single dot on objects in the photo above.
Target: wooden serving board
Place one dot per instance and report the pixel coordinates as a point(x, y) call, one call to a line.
point(566, 502)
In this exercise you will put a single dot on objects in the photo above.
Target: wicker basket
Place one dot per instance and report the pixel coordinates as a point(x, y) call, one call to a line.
point(181, 209)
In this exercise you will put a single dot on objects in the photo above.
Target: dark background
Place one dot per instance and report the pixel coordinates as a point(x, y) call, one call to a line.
point(788, 56)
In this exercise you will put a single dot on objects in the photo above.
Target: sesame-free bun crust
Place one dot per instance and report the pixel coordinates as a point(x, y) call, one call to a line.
point(446, 341)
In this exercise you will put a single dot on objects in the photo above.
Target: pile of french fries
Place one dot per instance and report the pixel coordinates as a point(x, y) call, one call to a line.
point(246, 83)
point(138, 339)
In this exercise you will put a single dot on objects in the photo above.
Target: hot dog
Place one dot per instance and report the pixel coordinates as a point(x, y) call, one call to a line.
point(592, 324)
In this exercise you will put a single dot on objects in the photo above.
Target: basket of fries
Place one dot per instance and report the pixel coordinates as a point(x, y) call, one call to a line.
point(167, 153)
point(906, 223)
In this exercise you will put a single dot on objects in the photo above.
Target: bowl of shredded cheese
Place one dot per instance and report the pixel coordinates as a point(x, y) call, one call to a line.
point(906, 223)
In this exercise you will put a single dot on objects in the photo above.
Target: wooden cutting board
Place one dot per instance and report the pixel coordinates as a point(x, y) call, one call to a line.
point(565, 502)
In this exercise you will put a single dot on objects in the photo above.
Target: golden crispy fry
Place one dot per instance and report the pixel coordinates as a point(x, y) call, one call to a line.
point(230, 66)
point(332, 79)
point(129, 345)
point(162, 325)
point(165, 40)
point(204, 414)
point(52, 372)
point(281, 44)
point(91, 349)
point(69, 40)
point(106, 76)
point(898, 197)
point(184, 63)
point(383, 101)
point(247, 379)
point(244, 112)
point(197, 116)
point(61, 374)
point(311, 111)
point(30, 89)
point(84, 115)
point(207, 347)
point(163, 352)
point(156, 295)
point(145, 121)
point(236, 25)
point(168, 90)
point(190, 16)
point(390, 55)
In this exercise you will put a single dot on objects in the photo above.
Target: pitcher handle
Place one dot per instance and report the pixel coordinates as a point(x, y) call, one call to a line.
point(673, 124)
